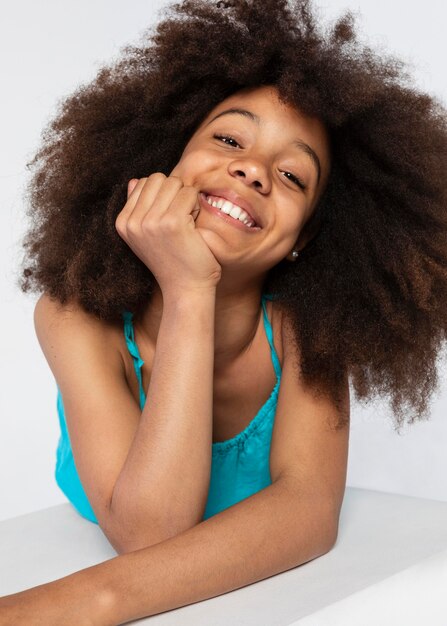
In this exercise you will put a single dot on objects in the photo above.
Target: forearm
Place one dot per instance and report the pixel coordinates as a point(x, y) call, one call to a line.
point(165, 479)
point(268, 533)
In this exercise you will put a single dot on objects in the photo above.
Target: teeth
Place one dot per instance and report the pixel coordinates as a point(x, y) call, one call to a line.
point(231, 209)
point(235, 211)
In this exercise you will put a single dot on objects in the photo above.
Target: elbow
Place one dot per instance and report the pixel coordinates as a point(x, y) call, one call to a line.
point(326, 539)
point(122, 532)
point(129, 530)
point(123, 547)
point(330, 544)
point(330, 540)
point(321, 547)
point(124, 542)
point(329, 522)
point(126, 537)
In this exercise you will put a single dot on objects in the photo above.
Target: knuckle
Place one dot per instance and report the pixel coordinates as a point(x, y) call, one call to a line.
point(132, 227)
point(169, 223)
point(149, 225)
point(156, 176)
point(119, 224)
point(176, 180)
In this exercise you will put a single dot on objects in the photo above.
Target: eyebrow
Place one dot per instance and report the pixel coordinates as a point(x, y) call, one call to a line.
point(301, 145)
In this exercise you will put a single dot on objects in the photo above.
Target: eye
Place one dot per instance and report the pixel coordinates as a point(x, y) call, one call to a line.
point(230, 141)
point(226, 139)
point(296, 180)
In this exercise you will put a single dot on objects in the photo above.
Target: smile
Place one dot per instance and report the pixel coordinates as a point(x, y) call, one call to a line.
point(229, 212)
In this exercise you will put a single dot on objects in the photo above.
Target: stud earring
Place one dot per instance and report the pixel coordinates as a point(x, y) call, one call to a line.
point(295, 254)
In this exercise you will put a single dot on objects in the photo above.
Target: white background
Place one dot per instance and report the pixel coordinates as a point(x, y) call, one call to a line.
point(46, 50)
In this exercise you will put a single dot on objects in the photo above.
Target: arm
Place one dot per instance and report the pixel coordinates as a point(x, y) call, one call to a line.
point(270, 532)
point(292, 521)
point(168, 465)
point(265, 534)
point(160, 458)
point(289, 523)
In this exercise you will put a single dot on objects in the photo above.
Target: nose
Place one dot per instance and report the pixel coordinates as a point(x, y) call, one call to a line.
point(251, 172)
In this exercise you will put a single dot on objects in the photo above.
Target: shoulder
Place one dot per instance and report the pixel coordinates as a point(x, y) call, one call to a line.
point(64, 329)
point(53, 317)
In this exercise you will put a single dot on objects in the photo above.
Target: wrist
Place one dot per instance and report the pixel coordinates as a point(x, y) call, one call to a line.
point(86, 596)
point(190, 295)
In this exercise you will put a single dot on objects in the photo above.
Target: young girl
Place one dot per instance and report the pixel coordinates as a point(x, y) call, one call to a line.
point(234, 221)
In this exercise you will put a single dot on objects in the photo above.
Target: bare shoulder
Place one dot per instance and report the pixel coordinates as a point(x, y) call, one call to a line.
point(50, 313)
point(100, 411)
point(62, 327)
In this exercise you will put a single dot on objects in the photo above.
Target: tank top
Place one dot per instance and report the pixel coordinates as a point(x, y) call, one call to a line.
point(239, 466)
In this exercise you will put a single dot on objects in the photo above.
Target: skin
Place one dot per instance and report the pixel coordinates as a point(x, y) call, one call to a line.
point(254, 168)
point(206, 255)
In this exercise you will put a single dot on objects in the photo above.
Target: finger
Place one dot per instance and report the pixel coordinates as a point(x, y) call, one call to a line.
point(133, 193)
point(156, 196)
point(131, 186)
point(123, 216)
point(186, 202)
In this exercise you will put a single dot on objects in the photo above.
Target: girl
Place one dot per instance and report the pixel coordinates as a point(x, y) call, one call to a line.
point(234, 221)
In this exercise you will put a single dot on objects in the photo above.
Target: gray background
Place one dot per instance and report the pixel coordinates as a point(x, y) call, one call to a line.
point(46, 50)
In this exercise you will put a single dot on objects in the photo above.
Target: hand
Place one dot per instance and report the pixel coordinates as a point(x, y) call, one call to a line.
point(158, 224)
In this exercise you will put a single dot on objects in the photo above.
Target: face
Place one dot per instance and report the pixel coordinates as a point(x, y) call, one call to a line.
point(269, 159)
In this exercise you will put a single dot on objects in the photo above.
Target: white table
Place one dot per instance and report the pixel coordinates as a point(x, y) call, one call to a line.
point(388, 567)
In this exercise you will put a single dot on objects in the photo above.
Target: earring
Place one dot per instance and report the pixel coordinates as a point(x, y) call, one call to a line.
point(295, 254)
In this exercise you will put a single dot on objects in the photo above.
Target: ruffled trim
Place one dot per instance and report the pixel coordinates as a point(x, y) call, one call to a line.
point(221, 447)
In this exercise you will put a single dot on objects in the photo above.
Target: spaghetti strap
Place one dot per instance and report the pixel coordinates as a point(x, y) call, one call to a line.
point(134, 352)
point(240, 466)
point(269, 333)
point(138, 362)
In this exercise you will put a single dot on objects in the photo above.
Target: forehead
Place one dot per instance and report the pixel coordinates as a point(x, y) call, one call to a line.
point(267, 103)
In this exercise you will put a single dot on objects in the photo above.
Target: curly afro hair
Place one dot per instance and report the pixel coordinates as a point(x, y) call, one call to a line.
point(367, 297)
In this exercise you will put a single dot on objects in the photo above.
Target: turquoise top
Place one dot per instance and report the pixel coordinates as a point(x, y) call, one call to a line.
point(239, 468)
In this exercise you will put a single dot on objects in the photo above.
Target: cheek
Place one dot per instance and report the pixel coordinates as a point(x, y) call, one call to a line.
point(193, 163)
point(290, 217)
point(288, 225)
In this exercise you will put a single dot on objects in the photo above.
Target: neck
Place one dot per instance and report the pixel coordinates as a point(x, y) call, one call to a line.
point(237, 316)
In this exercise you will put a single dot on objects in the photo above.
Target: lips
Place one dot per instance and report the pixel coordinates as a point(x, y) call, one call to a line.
point(229, 194)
